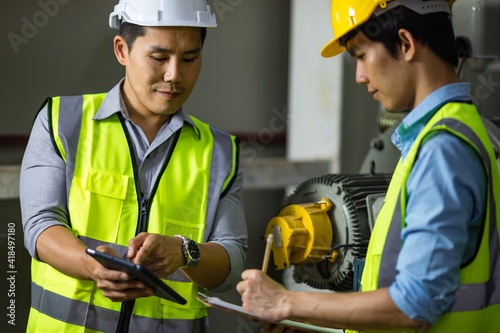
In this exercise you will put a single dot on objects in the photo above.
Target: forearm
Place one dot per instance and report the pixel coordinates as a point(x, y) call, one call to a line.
point(213, 267)
point(230, 232)
point(58, 247)
point(359, 311)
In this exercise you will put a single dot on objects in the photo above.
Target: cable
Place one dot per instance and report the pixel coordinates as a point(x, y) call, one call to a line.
point(460, 66)
point(363, 244)
point(464, 51)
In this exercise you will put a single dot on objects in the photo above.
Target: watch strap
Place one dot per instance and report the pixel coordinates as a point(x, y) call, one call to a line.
point(190, 250)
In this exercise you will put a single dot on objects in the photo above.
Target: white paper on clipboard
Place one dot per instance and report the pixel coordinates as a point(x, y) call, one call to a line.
point(223, 305)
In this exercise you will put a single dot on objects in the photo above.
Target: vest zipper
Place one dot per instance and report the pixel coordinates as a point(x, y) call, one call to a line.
point(144, 209)
point(142, 223)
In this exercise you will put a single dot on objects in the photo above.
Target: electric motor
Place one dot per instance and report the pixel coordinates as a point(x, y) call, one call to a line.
point(323, 256)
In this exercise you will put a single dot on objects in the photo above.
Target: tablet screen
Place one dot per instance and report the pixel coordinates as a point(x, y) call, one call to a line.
point(140, 273)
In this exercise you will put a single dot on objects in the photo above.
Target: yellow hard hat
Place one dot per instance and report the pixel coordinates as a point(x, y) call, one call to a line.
point(350, 14)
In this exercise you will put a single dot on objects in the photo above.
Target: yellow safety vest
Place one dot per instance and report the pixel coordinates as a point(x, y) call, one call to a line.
point(477, 304)
point(105, 208)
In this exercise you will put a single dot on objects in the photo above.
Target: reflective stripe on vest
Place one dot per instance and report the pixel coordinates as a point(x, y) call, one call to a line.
point(199, 170)
point(477, 302)
point(74, 315)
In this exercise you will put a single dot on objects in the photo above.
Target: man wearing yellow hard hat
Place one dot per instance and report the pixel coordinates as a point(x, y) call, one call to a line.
point(433, 261)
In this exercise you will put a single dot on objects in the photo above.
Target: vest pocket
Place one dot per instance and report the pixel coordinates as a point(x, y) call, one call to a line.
point(190, 230)
point(104, 193)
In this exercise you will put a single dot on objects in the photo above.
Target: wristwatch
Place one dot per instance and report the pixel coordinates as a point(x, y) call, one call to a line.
point(191, 251)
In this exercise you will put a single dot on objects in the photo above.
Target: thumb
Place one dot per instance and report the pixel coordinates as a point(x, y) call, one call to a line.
point(135, 244)
point(107, 250)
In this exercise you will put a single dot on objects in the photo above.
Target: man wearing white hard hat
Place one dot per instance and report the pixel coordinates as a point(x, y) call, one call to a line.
point(131, 174)
point(433, 261)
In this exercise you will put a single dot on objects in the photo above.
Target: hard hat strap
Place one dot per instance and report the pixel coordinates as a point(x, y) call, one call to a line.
point(422, 7)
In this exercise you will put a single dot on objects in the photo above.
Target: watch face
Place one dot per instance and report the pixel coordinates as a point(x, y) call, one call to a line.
point(194, 250)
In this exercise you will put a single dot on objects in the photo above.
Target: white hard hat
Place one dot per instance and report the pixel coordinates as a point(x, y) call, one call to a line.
point(158, 13)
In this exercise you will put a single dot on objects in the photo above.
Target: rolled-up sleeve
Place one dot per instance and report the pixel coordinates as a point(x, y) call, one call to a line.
point(230, 232)
point(42, 185)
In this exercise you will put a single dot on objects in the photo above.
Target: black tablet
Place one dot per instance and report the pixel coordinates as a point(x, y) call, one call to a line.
point(140, 273)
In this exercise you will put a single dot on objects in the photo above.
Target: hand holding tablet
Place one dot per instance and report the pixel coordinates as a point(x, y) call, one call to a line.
point(138, 272)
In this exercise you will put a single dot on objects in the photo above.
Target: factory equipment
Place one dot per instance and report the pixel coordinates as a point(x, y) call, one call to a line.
point(324, 228)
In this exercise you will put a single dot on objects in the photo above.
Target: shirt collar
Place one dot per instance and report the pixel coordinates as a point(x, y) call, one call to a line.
point(415, 121)
point(113, 103)
point(459, 92)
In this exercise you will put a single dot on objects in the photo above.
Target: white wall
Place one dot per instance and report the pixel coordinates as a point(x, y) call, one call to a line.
point(331, 117)
point(315, 86)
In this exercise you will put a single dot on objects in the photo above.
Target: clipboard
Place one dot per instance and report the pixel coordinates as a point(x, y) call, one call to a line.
point(217, 303)
point(138, 272)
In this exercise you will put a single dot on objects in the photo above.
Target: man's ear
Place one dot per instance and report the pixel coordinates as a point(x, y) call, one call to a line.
point(121, 50)
point(408, 44)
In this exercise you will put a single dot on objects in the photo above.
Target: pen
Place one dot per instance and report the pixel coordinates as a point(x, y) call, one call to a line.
point(267, 253)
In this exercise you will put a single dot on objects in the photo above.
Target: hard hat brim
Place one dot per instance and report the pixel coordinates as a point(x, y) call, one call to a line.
point(171, 23)
point(365, 11)
point(332, 48)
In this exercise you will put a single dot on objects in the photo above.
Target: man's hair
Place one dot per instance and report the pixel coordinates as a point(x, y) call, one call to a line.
point(130, 32)
point(434, 30)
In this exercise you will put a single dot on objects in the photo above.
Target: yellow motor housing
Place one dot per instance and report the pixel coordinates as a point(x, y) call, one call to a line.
point(301, 232)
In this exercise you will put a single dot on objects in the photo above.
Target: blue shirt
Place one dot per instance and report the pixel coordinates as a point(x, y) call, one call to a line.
point(446, 193)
